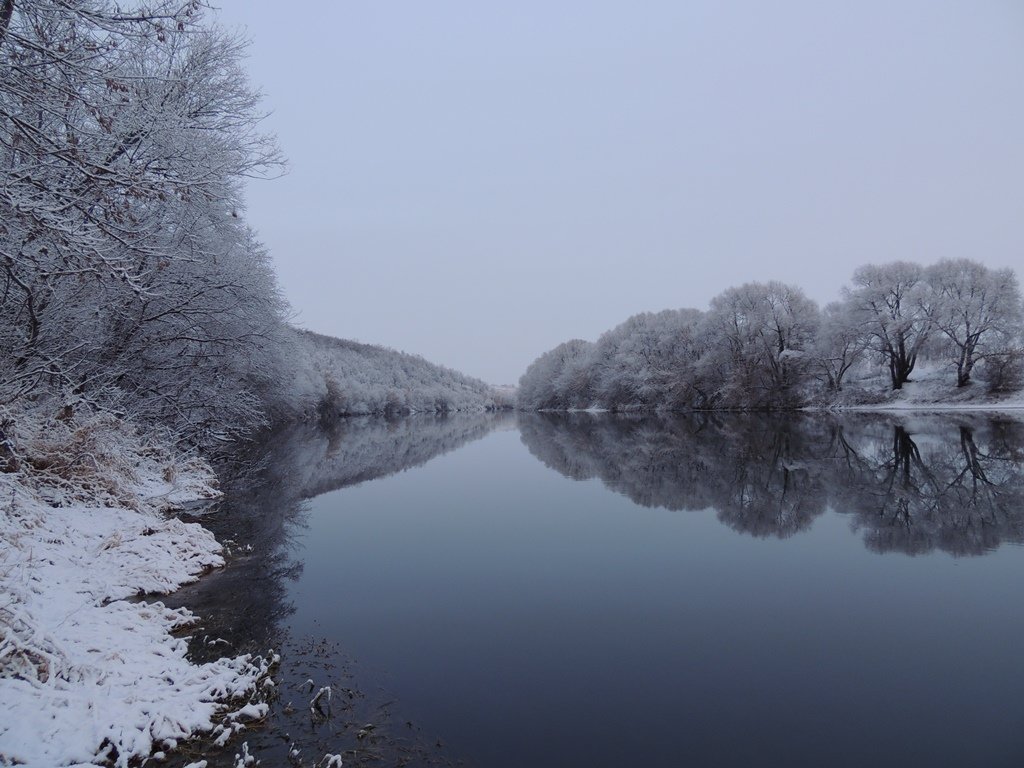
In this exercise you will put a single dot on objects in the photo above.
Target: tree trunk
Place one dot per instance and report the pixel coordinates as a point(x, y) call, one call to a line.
point(965, 365)
point(896, 382)
point(901, 365)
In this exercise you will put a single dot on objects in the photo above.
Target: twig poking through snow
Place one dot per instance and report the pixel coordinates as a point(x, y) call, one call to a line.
point(244, 760)
point(321, 702)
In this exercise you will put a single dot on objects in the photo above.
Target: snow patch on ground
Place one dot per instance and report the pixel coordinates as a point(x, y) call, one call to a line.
point(932, 388)
point(927, 396)
point(87, 677)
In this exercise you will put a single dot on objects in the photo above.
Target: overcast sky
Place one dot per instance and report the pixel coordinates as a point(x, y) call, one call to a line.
point(477, 182)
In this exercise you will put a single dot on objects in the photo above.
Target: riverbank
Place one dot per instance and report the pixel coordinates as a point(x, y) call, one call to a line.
point(88, 677)
point(931, 391)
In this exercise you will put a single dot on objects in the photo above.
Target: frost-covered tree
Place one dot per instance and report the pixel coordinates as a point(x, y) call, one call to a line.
point(976, 309)
point(767, 345)
point(549, 382)
point(128, 278)
point(839, 345)
point(647, 361)
point(335, 378)
point(759, 336)
point(888, 303)
point(680, 347)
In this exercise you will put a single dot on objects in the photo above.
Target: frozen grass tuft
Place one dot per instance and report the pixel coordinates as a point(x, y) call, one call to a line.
point(100, 460)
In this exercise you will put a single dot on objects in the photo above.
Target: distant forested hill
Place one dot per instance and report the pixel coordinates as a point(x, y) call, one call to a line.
point(336, 377)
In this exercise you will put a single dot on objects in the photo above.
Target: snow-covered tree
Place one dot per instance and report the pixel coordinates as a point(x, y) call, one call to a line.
point(550, 380)
point(759, 336)
point(767, 345)
point(647, 362)
point(888, 303)
point(128, 278)
point(976, 309)
point(335, 378)
point(839, 345)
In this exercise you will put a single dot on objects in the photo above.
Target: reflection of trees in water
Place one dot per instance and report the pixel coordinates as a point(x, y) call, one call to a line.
point(361, 449)
point(264, 490)
point(949, 483)
point(913, 484)
point(753, 471)
point(247, 602)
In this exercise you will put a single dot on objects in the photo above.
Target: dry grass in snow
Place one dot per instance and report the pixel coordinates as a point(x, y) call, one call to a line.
point(87, 677)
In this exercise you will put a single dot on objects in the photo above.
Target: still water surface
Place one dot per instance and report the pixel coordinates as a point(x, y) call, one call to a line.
point(597, 590)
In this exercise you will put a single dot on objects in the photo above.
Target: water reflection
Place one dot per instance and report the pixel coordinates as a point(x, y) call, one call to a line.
point(501, 601)
point(247, 604)
point(265, 485)
point(912, 484)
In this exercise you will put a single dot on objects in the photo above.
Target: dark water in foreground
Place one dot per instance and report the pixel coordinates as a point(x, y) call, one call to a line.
point(597, 590)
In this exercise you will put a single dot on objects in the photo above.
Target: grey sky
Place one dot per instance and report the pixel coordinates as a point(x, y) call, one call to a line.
point(477, 182)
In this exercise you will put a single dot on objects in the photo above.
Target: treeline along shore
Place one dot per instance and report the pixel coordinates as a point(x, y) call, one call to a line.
point(947, 333)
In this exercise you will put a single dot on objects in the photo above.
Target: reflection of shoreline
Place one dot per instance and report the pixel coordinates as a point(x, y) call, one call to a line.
point(359, 449)
point(914, 481)
point(262, 506)
point(246, 604)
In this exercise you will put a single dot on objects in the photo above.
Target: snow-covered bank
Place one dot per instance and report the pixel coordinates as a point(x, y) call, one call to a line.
point(87, 677)
point(931, 390)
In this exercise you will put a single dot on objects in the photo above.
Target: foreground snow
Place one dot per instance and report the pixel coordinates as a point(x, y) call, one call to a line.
point(87, 677)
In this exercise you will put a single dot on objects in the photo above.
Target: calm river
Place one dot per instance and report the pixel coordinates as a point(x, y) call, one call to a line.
point(600, 590)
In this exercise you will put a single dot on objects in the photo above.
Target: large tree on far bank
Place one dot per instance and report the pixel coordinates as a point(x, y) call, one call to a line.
point(886, 301)
point(977, 310)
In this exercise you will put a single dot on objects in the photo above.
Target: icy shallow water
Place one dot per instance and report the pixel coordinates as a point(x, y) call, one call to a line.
point(737, 591)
